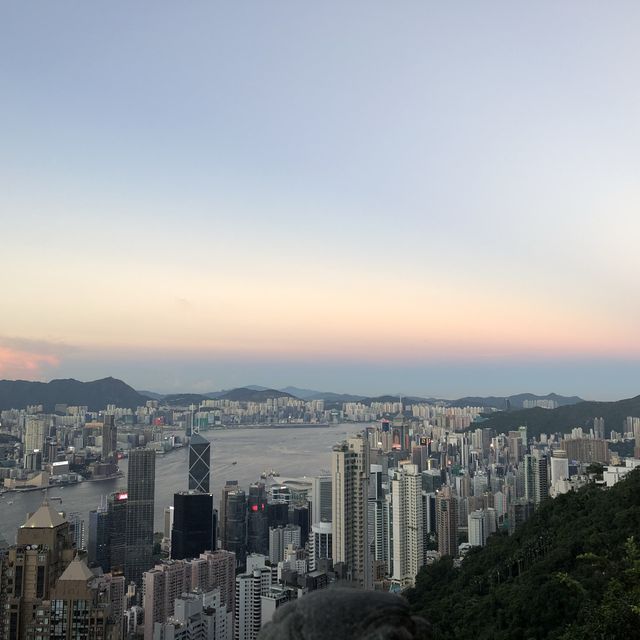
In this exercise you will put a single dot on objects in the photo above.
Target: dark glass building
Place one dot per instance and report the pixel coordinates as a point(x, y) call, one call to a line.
point(194, 525)
point(99, 539)
point(117, 510)
point(199, 464)
point(139, 526)
point(299, 515)
point(277, 514)
point(257, 520)
point(233, 522)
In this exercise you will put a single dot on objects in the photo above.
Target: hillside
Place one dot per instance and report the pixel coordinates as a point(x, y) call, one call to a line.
point(513, 402)
point(563, 419)
point(246, 394)
point(17, 394)
point(328, 396)
point(571, 572)
point(184, 400)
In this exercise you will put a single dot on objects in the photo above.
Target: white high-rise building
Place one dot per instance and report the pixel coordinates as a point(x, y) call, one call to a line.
point(350, 474)
point(408, 522)
point(320, 543)
point(559, 466)
point(280, 538)
point(34, 434)
point(477, 528)
point(248, 612)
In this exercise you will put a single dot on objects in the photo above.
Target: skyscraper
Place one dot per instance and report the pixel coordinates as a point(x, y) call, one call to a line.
point(559, 466)
point(99, 539)
point(321, 499)
point(350, 539)
point(81, 605)
point(478, 530)
point(248, 613)
point(379, 510)
point(408, 522)
point(280, 538)
point(43, 551)
point(168, 580)
point(320, 544)
point(78, 532)
point(117, 510)
point(447, 522)
point(109, 438)
point(536, 482)
point(194, 525)
point(233, 521)
point(299, 516)
point(199, 464)
point(257, 521)
point(35, 434)
point(139, 527)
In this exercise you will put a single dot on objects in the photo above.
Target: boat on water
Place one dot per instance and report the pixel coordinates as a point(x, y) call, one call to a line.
point(235, 462)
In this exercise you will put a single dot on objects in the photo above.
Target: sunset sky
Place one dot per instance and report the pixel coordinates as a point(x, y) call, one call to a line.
point(366, 196)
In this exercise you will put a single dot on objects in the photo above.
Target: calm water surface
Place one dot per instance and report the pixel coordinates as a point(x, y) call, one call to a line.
point(296, 451)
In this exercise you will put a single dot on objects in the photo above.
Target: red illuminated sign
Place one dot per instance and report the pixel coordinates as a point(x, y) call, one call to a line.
point(122, 496)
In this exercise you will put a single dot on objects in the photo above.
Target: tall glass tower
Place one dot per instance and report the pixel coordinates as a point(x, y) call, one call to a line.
point(199, 464)
point(139, 530)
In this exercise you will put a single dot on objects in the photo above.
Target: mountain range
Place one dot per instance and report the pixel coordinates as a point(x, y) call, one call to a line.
point(18, 394)
point(563, 419)
point(97, 394)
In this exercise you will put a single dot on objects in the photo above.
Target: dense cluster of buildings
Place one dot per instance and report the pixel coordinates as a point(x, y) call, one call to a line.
point(407, 490)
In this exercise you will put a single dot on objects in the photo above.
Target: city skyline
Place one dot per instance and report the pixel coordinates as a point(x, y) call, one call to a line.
point(435, 200)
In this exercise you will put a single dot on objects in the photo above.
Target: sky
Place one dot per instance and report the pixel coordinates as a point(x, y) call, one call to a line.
point(419, 197)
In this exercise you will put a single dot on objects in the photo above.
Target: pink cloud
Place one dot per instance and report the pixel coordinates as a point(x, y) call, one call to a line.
point(18, 363)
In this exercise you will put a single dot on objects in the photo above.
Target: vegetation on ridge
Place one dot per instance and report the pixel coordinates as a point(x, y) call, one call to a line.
point(571, 572)
point(563, 419)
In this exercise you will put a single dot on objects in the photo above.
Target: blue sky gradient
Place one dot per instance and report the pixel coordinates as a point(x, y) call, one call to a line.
point(427, 197)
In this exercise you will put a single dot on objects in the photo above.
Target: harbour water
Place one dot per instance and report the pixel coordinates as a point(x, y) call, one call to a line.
point(297, 451)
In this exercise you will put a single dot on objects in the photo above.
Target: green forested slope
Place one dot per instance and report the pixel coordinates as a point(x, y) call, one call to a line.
point(563, 419)
point(571, 572)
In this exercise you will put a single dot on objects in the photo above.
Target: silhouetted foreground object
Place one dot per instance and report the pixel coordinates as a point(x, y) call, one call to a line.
point(346, 614)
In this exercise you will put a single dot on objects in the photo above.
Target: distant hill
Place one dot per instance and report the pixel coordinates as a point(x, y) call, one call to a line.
point(571, 572)
point(329, 396)
point(257, 393)
point(246, 394)
point(563, 419)
point(18, 394)
point(511, 402)
point(183, 399)
point(152, 395)
point(303, 394)
point(395, 398)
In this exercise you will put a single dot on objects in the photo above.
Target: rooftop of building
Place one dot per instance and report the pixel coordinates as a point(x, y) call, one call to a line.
point(77, 571)
point(45, 517)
